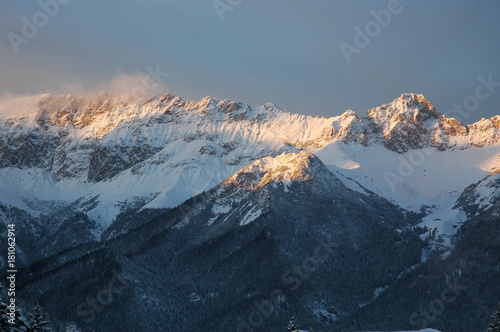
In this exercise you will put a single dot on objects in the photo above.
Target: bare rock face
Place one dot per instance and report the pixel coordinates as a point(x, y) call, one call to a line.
point(351, 129)
point(107, 162)
point(403, 124)
point(25, 148)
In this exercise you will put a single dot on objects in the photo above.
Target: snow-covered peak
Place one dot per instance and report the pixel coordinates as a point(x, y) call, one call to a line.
point(409, 108)
point(416, 100)
point(349, 114)
point(283, 168)
point(411, 122)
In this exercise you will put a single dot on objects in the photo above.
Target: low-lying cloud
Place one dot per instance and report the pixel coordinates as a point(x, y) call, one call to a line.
point(13, 105)
point(138, 86)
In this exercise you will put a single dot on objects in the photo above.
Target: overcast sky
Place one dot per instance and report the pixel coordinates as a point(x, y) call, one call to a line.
point(283, 51)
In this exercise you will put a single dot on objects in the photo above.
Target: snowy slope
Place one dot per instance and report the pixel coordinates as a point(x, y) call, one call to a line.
point(480, 197)
point(420, 177)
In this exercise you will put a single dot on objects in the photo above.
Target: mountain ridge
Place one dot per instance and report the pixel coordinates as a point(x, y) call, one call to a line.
point(90, 152)
point(66, 111)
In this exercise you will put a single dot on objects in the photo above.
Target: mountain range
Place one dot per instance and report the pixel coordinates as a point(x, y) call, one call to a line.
point(220, 216)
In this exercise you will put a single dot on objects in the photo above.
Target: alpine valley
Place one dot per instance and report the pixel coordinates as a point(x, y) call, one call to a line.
point(168, 215)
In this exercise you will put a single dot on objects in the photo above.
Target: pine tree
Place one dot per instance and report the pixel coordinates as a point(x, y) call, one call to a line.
point(36, 321)
point(21, 323)
point(292, 326)
point(495, 321)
